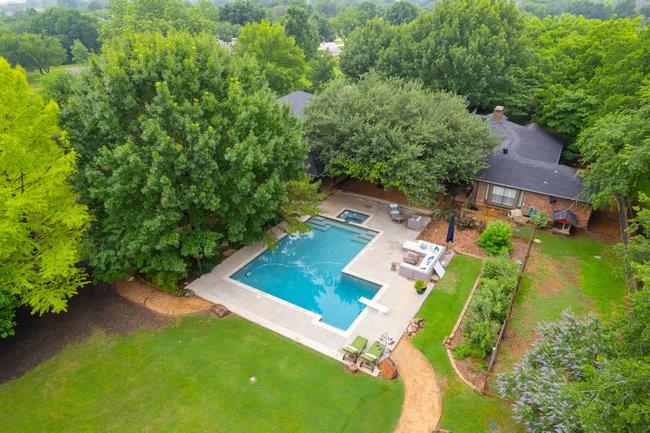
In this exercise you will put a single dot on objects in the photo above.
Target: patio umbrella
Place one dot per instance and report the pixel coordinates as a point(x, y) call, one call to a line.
point(451, 228)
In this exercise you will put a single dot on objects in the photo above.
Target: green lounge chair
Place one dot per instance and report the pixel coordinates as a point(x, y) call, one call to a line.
point(355, 348)
point(373, 354)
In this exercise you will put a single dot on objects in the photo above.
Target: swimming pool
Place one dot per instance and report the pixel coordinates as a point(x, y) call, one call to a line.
point(306, 270)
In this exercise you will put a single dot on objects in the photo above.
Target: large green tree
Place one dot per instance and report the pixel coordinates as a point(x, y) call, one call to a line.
point(242, 12)
point(298, 24)
point(153, 16)
point(585, 68)
point(32, 51)
point(41, 222)
point(182, 148)
point(401, 12)
point(616, 153)
point(68, 25)
point(365, 46)
point(397, 133)
point(281, 61)
point(473, 48)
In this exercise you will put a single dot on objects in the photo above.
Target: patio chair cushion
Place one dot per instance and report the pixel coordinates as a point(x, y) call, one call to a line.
point(356, 346)
point(374, 352)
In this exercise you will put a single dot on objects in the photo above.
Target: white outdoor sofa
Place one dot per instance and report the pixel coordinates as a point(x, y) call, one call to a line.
point(423, 270)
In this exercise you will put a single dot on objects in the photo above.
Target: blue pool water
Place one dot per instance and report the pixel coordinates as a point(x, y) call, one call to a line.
point(353, 216)
point(306, 271)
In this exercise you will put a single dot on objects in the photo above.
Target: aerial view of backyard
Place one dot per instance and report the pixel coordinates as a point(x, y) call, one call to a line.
point(308, 216)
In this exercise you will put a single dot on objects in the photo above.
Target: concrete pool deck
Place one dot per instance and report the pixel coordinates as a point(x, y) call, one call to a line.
point(373, 263)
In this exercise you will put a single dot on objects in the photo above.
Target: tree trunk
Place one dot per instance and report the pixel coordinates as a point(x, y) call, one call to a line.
point(625, 237)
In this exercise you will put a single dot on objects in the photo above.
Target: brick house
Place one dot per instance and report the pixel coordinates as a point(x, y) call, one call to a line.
point(524, 173)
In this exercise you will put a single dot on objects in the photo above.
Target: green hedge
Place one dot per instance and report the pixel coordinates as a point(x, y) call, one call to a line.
point(489, 308)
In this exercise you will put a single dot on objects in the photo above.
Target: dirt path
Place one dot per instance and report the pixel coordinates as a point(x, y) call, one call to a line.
point(159, 301)
point(38, 338)
point(422, 406)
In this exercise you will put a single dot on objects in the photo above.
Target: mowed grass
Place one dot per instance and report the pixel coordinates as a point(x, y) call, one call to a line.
point(35, 78)
point(562, 273)
point(195, 376)
point(463, 410)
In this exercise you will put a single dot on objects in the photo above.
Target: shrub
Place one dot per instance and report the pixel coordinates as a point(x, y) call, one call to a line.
point(500, 267)
point(495, 239)
point(490, 306)
point(539, 219)
point(420, 286)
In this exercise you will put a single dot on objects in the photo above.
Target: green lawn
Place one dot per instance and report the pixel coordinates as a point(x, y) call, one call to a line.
point(195, 377)
point(34, 78)
point(463, 410)
point(561, 273)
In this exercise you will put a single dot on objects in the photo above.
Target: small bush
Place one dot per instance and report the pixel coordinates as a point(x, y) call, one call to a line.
point(466, 350)
point(441, 214)
point(539, 219)
point(495, 239)
point(500, 267)
point(167, 281)
point(420, 286)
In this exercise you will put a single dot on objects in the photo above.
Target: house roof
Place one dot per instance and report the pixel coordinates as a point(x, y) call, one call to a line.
point(530, 141)
point(527, 159)
point(297, 101)
point(555, 180)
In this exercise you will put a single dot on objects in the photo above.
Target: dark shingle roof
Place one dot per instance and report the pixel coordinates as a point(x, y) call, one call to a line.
point(530, 141)
point(556, 180)
point(531, 162)
point(297, 101)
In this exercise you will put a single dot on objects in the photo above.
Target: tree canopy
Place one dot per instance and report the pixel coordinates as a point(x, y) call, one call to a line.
point(32, 51)
point(281, 61)
point(397, 133)
point(242, 12)
point(68, 25)
point(182, 148)
point(41, 223)
point(298, 24)
point(153, 16)
point(365, 46)
point(401, 12)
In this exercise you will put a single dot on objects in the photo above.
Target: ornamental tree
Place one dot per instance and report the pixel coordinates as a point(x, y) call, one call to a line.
point(397, 133)
point(41, 223)
point(182, 148)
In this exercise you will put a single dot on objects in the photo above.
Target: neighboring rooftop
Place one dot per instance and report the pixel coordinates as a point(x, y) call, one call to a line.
point(297, 101)
point(527, 158)
point(331, 48)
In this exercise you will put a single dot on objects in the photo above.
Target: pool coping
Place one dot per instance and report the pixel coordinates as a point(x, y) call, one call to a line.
point(317, 318)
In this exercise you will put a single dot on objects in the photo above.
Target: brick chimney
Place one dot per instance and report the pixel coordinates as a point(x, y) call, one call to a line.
point(497, 116)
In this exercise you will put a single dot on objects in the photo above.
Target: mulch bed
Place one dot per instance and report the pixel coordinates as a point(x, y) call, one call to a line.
point(38, 338)
point(464, 240)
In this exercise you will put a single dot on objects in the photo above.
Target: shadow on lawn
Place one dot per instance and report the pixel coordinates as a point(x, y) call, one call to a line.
point(38, 338)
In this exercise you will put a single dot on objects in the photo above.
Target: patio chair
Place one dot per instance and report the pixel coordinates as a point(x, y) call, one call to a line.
point(395, 213)
point(372, 355)
point(355, 348)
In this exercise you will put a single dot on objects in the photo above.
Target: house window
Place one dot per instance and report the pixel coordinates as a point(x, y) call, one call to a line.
point(501, 196)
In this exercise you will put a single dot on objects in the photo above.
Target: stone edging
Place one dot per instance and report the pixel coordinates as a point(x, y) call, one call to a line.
point(447, 342)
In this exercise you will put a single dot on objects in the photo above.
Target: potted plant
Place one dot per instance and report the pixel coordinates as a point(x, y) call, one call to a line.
point(420, 286)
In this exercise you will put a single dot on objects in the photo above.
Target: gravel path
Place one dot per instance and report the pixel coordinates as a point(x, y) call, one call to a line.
point(422, 406)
